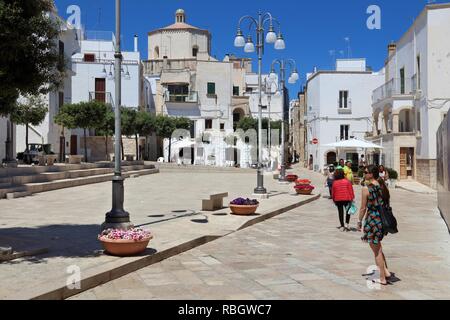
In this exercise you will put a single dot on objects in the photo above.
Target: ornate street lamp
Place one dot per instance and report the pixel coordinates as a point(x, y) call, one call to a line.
point(117, 218)
point(292, 79)
point(249, 47)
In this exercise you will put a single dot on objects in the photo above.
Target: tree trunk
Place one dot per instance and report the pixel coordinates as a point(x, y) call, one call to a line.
point(137, 146)
point(106, 148)
point(170, 149)
point(26, 136)
point(85, 147)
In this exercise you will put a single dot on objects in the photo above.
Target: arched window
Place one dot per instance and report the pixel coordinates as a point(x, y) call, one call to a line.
point(156, 53)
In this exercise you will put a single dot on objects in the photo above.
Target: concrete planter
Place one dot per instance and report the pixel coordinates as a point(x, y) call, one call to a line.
point(243, 210)
point(304, 191)
point(124, 248)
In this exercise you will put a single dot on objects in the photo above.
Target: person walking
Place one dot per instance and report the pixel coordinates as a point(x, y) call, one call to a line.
point(372, 199)
point(343, 195)
point(330, 179)
point(348, 172)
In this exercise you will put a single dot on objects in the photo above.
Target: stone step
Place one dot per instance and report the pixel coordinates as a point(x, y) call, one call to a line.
point(5, 185)
point(15, 195)
point(69, 183)
point(12, 189)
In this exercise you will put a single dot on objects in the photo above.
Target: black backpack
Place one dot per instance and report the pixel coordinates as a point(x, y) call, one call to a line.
point(388, 219)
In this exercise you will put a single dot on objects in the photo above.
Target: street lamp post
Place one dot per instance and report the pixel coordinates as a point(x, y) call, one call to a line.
point(117, 218)
point(249, 47)
point(268, 84)
point(292, 79)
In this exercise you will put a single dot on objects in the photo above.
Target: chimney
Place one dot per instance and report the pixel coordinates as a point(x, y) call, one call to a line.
point(392, 48)
point(136, 43)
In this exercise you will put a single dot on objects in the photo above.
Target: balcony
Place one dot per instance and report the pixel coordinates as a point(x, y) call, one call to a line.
point(101, 96)
point(191, 97)
point(394, 88)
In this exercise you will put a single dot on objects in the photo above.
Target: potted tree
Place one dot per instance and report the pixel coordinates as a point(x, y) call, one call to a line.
point(241, 206)
point(124, 243)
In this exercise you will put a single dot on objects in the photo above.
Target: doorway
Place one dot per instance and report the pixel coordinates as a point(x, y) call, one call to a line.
point(406, 163)
point(331, 158)
point(73, 145)
point(100, 90)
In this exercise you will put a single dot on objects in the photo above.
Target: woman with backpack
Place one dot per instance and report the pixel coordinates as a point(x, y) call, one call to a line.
point(343, 195)
point(372, 199)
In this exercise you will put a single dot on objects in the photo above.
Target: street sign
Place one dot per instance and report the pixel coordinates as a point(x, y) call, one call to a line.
point(315, 141)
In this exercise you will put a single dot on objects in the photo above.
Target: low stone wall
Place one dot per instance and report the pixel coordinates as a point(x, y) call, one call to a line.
point(426, 172)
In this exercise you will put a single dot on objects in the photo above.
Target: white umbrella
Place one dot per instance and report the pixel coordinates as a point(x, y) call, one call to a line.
point(354, 143)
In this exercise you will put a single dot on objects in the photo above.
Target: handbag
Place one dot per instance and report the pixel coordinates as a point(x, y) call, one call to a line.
point(388, 220)
point(351, 208)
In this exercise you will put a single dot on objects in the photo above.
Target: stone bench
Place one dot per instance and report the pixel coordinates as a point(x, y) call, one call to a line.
point(129, 157)
point(51, 159)
point(75, 159)
point(215, 202)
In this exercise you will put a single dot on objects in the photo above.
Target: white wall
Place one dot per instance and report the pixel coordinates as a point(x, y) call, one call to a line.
point(323, 96)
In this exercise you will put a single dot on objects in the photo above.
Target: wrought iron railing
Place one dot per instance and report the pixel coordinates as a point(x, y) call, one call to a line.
point(101, 96)
point(191, 97)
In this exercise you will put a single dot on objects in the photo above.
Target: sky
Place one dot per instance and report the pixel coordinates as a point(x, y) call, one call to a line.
point(313, 30)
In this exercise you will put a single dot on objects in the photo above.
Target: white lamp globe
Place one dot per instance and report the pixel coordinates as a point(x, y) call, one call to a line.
point(249, 46)
point(271, 36)
point(291, 80)
point(239, 41)
point(273, 75)
point(295, 76)
point(279, 44)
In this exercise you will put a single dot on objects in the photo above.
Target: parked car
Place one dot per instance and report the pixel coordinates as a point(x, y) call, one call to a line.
point(34, 150)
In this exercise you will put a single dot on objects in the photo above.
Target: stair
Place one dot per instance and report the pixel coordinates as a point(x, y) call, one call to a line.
point(38, 180)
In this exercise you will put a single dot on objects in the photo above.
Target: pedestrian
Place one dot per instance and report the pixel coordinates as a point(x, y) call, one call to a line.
point(372, 199)
point(384, 174)
point(348, 172)
point(311, 161)
point(343, 195)
point(341, 163)
point(330, 180)
point(362, 162)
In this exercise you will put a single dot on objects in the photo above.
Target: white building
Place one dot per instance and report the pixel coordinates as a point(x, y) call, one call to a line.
point(93, 67)
point(409, 107)
point(339, 108)
point(182, 79)
point(48, 132)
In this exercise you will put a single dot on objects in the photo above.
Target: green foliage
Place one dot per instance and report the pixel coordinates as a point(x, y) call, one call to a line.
point(32, 111)
point(107, 126)
point(392, 173)
point(164, 126)
point(248, 123)
point(128, 121)
point(85, 115)
point(145, 123)
point(30, 62)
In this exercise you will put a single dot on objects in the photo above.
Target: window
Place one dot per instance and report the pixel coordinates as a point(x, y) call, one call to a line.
point(208, 124)
point(248, 90)
point(343, 99)
point(194, 51)
point(418, 72)
point(222, 126)
point(178, 93)
point(60, 100)
point(211, 88)
point(89, 57)
point(61, 56)
point(402, 81)
point(156, 54)
point(235, 91)
point(344, 132)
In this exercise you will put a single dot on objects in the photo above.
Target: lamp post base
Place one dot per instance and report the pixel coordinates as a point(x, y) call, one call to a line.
point(117, 218)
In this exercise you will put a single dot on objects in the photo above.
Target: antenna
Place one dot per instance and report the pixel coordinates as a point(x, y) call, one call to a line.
point(333, 57)
point(349, 49)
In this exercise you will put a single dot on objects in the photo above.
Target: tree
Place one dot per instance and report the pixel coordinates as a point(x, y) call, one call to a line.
point(165, 126)
point(106, 127)
point(145, 123)
point(85, 115)
point(30, 62)
point(129, 125)
point(30, 112)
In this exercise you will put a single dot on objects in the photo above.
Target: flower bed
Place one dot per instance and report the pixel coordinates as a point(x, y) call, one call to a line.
point(291, 177)
point(125, 242)
point(241, 206)
point(300, 182)
point(305, 189)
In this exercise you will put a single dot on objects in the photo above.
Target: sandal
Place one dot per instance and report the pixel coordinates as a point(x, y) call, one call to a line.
point(377, 281)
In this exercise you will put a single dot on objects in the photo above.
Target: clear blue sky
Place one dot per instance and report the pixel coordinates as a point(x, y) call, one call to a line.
point(311, 28)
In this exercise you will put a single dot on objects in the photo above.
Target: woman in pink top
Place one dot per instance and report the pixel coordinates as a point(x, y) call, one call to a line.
point(343, 196)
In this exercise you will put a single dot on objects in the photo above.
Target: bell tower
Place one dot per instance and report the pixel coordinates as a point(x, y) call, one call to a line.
point(180, 16)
